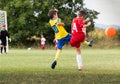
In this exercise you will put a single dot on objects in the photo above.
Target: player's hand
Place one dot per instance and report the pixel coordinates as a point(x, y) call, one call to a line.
point(9, 39)
point(89, 23)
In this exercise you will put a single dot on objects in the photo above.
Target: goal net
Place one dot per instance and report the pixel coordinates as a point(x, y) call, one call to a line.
point(3, 20)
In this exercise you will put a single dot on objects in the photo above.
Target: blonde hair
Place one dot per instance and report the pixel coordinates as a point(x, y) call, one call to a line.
point(52, 12)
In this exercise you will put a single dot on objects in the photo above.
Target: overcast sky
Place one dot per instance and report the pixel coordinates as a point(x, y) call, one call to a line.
point(109, 10)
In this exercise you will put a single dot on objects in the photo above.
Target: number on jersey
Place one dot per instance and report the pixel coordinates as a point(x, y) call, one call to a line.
point(74, 28)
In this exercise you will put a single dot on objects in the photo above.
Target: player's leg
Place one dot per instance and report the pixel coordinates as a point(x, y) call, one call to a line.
point(79, 59)
point(5, 47)
point(56, 58)
point(1, 49)
point(90, 43)
point(60, 44)
point(55, 47)
point(2, 45)
point(77, 42)
point(59, 50)
point(42, 46)
point(85, 43)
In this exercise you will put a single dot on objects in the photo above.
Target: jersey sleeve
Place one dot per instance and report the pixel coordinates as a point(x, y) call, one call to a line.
point(52, 23)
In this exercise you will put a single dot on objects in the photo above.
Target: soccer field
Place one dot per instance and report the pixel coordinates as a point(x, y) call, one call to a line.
point(101, 66)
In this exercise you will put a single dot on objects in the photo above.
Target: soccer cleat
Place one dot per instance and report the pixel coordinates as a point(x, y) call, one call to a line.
point(54, 64)
point(81, 68)
point(91, 43)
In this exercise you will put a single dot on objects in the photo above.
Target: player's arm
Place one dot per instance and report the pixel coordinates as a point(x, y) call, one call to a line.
point(87, 25)
point(60, 24)
point(8, 35)
point(86, 20)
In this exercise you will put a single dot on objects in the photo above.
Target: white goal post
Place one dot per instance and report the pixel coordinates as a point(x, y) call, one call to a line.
point(3, 20)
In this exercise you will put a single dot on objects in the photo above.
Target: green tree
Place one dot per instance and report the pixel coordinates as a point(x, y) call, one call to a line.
point(29, 17)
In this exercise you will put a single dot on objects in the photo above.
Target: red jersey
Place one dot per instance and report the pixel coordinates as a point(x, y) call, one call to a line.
point(77, 25)
point(78, 35)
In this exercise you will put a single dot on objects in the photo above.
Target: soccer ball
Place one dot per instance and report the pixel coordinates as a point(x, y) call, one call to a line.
point(110, 32)
point(29, 49)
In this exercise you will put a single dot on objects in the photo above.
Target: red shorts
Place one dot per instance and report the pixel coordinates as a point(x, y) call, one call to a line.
point(43, 46)
point(77, 39)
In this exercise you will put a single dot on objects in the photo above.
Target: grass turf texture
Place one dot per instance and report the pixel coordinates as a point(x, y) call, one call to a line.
point(101, 66)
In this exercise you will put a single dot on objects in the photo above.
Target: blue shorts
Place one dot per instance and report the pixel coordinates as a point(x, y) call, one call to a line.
point(62, 41)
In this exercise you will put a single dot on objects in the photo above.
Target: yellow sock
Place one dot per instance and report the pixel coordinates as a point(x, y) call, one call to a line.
point(85, 43)
point(57, 54)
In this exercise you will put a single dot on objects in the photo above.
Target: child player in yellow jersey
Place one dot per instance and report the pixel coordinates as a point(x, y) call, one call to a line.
point(60, 33)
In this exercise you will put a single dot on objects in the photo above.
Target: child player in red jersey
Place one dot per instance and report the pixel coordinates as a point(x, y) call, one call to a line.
point(78, 36)
point(43, 42)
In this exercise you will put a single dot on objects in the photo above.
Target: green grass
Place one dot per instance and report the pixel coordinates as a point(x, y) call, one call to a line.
point(101, 66)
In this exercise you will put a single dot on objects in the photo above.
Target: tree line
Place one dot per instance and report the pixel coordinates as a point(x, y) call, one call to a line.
point(27, 18)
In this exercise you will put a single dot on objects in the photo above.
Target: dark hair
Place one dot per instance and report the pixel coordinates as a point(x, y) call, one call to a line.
point(82, 13)
point(52, 12)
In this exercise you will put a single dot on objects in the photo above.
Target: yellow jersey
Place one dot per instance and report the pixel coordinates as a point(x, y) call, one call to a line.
point(60, 31)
